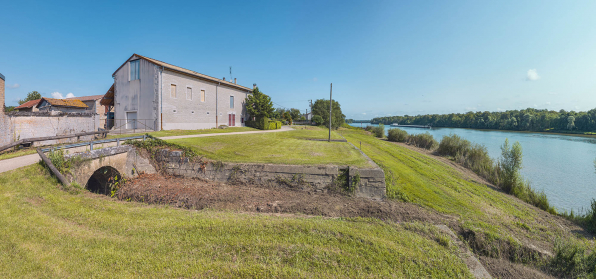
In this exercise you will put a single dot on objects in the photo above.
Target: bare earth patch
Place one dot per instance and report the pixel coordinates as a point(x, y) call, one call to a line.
point(197, 194)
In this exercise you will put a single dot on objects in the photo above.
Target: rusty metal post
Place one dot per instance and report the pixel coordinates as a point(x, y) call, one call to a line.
point(330, 103)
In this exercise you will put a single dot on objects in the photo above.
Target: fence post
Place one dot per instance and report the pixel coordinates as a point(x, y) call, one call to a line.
point(91, 146)
point(143, 137)
point(118, 142)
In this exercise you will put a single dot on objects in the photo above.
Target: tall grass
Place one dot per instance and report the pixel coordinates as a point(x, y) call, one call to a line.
point(426, 140)
point(503, 173)
point(397, 135)
point(573, 259)
point(587, 219)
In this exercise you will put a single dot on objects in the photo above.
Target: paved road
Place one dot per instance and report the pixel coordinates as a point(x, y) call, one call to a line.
point(19, 162)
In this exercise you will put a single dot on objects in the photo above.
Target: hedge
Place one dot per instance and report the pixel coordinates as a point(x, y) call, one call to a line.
point(264, 124)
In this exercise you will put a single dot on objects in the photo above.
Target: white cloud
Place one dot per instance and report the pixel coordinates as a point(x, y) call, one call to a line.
point(364, 113)
point(314, 79)
point(58, 95)
point(532, 75)
point(16, 85)
point(547, 103)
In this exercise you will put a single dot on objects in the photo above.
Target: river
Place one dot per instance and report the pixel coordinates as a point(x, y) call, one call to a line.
point(560, 165)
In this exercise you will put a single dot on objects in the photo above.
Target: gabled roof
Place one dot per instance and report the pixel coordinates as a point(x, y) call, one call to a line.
point(86, 98)
point(184, 71)
point(29, 104)
point(63, 103)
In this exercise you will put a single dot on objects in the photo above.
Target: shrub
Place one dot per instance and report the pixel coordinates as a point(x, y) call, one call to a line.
point(264, 123)
point(397, 135)
point(318, 120)
point(573, 259)
point(369, 128)
point(379, 131)
point(426, 141)
point(452, 145)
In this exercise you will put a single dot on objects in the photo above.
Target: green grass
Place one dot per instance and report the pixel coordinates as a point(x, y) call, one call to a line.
point(168, 133)
point(291, 147)
point(47, 232)
point(27, 151)
point(418, 178)
point(18, 153)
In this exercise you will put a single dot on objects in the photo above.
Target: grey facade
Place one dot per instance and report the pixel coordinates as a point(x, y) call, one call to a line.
point(162, 96)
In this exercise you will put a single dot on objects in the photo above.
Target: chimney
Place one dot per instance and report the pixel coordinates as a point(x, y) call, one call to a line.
point(254, 86)
point(1, 95)
point(234, 80)
point(224, 78)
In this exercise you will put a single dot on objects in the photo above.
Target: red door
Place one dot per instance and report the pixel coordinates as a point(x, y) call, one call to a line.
point(234, 120)
point(229, 119)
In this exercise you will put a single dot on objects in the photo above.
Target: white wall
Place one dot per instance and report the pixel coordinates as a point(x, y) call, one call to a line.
point(140, 96)
point(189, 114)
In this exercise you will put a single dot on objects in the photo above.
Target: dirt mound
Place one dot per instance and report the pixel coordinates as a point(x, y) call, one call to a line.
point(197, 194)
point(500, 268)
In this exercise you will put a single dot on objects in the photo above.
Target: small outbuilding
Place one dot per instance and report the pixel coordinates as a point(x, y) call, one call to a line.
point(30, 106)
point(62, 105)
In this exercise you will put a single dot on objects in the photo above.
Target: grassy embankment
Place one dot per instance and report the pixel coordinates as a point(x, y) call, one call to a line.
point(169, 133)
point(47, 232)
point(291, 147)
point(501, 224)
point(22, 152)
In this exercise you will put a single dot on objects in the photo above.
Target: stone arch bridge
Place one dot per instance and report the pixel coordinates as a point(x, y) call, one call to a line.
point(98, 170)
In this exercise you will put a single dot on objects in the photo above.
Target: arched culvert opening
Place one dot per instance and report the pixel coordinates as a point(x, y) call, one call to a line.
point(104, 180)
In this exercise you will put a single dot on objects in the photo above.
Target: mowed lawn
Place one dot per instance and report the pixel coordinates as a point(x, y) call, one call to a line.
point(291, 147)
point(47, 232)
point(168, 133)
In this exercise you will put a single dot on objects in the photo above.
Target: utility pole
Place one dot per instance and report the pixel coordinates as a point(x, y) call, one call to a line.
point(330, 103)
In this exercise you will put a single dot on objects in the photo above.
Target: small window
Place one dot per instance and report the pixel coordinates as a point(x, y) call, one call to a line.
point(188, 93)
point(202, 95)
point(173, 91)
point(135, 69)
point(231, 101)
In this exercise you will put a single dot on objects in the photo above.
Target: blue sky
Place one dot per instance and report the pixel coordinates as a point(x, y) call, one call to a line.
point(383, 57)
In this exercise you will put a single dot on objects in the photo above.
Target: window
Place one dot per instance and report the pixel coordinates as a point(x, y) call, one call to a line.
point(231, 101)
point(173, 91)
point(202, 95)
point(135, 69)
point(188, 93)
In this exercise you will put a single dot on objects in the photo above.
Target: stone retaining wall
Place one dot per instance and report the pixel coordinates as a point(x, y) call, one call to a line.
point(369, 183)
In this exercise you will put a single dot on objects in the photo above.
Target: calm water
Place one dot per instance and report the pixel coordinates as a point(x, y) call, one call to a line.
point(562, 166)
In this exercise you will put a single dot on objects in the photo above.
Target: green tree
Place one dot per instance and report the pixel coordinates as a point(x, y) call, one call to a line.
point(318, 120)
point(287, 116)
point(570, 122)
point(321, 108)
point(259, 105)
point(33, 95)
point(295, 113)
point(511, 164)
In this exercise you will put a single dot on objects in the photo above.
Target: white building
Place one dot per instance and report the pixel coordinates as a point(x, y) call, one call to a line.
point(150, 94)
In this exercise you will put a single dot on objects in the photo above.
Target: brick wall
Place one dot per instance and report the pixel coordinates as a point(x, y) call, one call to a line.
point(5, 127)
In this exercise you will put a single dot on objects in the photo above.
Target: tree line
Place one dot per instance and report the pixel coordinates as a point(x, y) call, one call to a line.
point(518, 120)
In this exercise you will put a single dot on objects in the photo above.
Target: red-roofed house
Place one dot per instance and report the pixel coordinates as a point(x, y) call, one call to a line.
point(29, 106)
point(93, 102)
